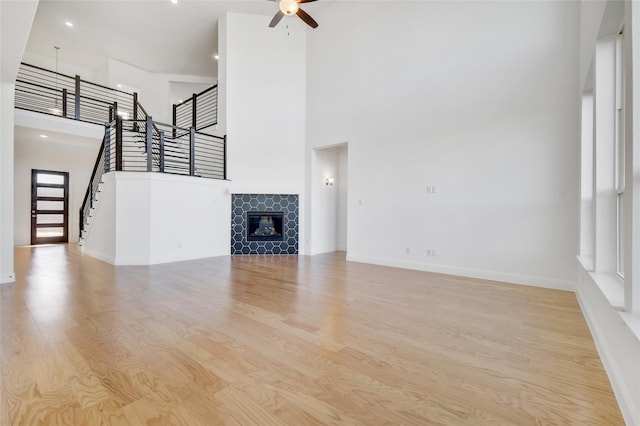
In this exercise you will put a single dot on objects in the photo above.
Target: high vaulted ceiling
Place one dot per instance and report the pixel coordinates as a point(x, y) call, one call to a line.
point(155, 35)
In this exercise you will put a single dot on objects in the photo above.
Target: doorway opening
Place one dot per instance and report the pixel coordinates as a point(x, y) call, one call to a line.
point(49, 207)
point(329, 199)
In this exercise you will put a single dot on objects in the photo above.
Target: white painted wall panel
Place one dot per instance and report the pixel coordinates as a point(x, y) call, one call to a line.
point(476, 98)
point(150, 218)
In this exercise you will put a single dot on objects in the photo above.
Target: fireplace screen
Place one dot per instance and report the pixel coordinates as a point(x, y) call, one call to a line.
point(264, 226)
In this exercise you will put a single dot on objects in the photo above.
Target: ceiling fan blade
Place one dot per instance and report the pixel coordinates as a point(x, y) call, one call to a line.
point(276, 18)
point(305, 1)
point(306, 18)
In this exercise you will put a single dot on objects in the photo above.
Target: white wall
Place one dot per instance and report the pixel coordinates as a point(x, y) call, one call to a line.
point(180, 91)
point(262, 83)
point(154, 88)
point(150, 218)
point(72, 156)
point(342, 184)
point(324, 201)
point(265, 87)
point(476, 98)
point(49, 62)
point(15, 24)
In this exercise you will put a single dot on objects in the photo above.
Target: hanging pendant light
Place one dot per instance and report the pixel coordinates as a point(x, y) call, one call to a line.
point(56, 109)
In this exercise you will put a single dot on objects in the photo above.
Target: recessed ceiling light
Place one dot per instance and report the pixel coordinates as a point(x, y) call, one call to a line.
point(44, 136)
point(69, 24)
point(174, 1)
point(216, 56)
point(119, 86)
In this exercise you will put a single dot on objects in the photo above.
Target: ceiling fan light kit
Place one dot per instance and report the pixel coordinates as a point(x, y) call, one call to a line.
point(292, 7)
point(289, 7)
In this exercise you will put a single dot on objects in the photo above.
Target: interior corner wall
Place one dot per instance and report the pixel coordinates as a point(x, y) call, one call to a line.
point(16, 18)
point(7, 91)
point(153, 89)
point(474, 99)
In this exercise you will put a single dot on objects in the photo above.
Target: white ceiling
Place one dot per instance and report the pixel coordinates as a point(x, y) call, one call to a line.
point(154, 35)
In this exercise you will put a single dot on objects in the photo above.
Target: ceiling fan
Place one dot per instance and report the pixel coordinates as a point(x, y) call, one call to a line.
point(290, 7)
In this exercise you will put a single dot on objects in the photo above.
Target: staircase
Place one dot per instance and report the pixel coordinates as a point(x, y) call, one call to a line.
point(133, 141)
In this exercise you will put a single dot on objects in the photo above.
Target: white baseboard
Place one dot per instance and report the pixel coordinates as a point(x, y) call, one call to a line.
point(469, 273)
point(628, 406)
point(98, 255)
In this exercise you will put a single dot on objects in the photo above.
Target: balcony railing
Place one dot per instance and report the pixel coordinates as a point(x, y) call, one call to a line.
point(132, 140)
point(54, 93)
point(199, 111)
point(151, 146)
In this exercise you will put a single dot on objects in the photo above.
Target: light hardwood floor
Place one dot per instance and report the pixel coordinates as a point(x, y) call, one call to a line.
point(288, 340)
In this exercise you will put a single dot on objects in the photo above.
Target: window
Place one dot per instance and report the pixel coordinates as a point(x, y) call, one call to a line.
point(619, 156)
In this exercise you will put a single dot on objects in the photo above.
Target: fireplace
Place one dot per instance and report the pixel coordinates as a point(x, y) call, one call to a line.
point(279, 231)
point(264, 226)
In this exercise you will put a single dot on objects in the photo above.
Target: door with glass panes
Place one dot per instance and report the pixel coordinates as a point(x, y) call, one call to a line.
point(49, 207)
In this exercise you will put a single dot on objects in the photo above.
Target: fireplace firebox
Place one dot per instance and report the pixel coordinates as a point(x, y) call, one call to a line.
point(264, 226)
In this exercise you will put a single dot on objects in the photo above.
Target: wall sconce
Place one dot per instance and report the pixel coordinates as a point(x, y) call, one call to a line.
point(328, 181)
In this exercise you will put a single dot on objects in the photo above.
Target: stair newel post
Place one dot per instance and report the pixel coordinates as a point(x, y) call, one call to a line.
point(149, 143)
point(118, 143)
point(224, 158)
point(162, 149)
point(64, 102)
point(192, 151)
point(135, 111)
point(193, 111)
point(107, 147)
point(77, 115)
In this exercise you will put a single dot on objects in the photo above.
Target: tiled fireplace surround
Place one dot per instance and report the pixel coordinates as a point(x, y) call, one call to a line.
point(241, 204)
